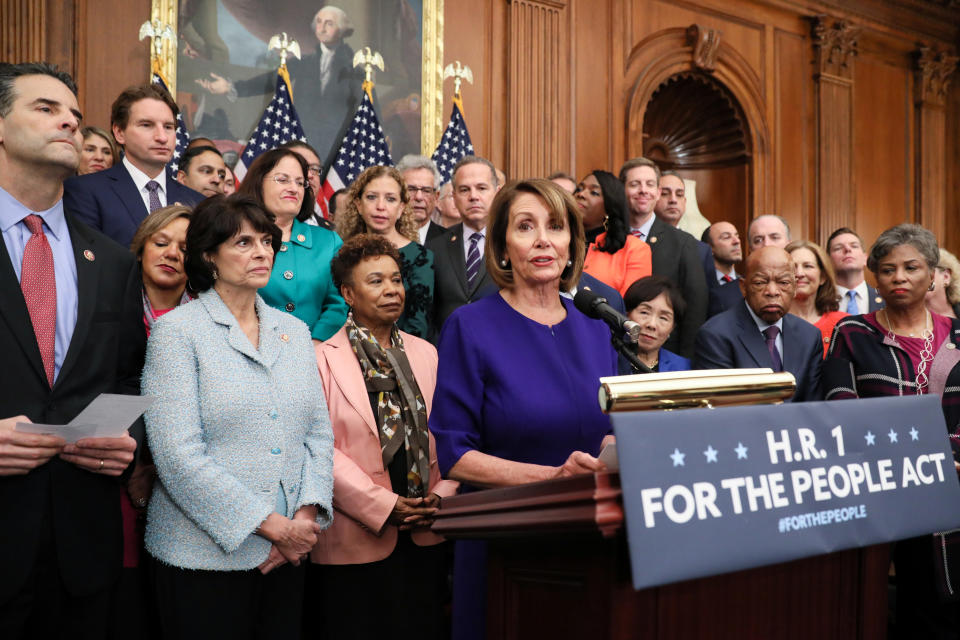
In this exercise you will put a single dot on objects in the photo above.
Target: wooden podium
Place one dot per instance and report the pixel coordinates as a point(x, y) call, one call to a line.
point(559, 568)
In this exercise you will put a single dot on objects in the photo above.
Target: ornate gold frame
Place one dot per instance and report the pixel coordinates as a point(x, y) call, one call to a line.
point(431, 91)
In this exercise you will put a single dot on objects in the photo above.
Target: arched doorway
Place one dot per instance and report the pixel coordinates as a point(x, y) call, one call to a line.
point(695, 126)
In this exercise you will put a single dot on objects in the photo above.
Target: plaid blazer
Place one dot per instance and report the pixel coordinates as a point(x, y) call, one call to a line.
point(864, 363)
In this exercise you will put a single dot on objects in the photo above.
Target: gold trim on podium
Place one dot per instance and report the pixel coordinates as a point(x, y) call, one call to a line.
point(706, 388)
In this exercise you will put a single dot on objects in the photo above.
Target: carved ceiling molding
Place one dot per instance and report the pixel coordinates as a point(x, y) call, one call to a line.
point(933, 70)
point(835, 45)
point(706, 46)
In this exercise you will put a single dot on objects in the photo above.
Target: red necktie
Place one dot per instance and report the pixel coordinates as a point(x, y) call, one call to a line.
point(726, 278)
point(39, 285)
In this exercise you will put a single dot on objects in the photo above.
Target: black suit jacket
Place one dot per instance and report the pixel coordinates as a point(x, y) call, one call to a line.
point(876, 302)
point(434, 230)
point(105, 356)
point(731, 340)
point(676, 256)
point(450, 288)
point(109, 201)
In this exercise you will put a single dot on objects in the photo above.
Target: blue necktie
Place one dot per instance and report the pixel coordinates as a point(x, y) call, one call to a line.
point(771, 336)
point(473, 258)
point(852, 307)
point(153, 186)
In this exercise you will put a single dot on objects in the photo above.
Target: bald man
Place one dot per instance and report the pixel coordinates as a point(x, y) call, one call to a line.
point(759, 332)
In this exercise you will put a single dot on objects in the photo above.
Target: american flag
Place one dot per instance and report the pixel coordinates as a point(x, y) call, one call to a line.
point(183, 137)
point(363, 146)
point(278, 124)
point(454, 144)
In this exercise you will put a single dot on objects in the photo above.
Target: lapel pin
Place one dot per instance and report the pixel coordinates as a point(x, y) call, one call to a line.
point(89, 255)
point(950, 345)
point(653, 240)
point(301, 237)
point(285, 337)
point(453, 239)
point(878, 299)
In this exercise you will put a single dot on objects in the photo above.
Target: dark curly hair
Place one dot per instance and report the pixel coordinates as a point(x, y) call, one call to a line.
point(615, 204)
point(357, 249)
point(213, 222)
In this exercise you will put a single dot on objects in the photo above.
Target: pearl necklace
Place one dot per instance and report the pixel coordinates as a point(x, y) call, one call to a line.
point(926, 353)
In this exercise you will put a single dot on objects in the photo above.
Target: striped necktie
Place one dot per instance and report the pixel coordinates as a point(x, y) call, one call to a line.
point(473, 258)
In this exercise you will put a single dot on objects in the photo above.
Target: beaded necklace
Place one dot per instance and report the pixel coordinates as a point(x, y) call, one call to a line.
point(926, 353)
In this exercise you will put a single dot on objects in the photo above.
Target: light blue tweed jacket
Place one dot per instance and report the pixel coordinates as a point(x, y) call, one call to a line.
point(230, 424)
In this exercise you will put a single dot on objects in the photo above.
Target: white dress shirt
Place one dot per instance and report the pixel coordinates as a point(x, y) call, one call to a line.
point(141, 179)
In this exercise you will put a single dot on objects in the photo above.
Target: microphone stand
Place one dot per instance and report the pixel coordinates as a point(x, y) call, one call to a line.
point(624, 350)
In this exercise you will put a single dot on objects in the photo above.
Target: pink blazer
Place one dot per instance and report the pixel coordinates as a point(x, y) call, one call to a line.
point(362, 496)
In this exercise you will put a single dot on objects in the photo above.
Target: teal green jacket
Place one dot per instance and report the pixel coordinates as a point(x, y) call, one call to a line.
point(301, 283)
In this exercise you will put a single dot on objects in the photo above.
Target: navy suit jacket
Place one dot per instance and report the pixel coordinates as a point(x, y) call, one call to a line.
point(724, 296)
point(614, 299)
point(109, 201)
point(731, 340)
point(876, 302)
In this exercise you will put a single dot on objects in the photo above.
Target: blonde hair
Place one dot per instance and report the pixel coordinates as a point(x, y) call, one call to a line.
point(155, 222)
point(561, 206)
point(949, 262)
point(349, 222)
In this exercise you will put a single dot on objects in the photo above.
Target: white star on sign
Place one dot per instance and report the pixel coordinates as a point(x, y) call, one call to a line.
point(870, 438)
point(892, 435)
point(711, 453)
point(914, 434)
point(677, 458)
point(741, 451)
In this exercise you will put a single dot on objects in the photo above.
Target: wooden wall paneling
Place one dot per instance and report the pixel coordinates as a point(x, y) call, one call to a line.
point(595, 81)
point(671, 51)
point(952, 232)
point(793, 127)
point(114, 57)
point(882, 146)
point(539, 115)
point(932, 78)
point(835, 47)
point(22, 30)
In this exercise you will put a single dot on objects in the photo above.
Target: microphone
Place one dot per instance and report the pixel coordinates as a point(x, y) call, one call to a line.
point(595, 306)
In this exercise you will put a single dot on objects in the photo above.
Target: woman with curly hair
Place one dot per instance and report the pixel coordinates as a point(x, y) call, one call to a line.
point(944, 298)
point(613, 256)
point(377, 203)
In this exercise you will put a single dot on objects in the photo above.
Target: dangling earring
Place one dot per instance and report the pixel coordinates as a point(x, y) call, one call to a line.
point(504, 263)
point(215, 274)
point(569, 263)
point(606, 219)
point(933, 285)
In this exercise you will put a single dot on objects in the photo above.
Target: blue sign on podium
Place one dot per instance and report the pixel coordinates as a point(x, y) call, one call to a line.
point(709, 491)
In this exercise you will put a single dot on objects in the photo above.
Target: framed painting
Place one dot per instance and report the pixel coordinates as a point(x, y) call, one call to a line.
point(224, 75)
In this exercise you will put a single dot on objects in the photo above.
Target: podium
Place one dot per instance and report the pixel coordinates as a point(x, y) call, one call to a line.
point(559, 568)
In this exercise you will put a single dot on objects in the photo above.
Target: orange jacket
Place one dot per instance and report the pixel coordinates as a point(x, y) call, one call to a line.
point(620, 269)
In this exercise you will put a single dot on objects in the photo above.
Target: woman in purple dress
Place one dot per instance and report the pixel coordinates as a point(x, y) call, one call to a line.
point(516, 397)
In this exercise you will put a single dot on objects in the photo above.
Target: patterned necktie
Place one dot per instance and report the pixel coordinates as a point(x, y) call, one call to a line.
point(637, 233)
point(852, 307)
point(153, 187)
point(771, 334)
point(473, 258)
point(726, 278)
point(39, 285)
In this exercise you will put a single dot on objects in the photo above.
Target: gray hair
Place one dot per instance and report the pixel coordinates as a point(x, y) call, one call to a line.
point(465, 160)
point(343, 21)
point(914, 235)
point(9, 72)
point(786, 226)
point(411, 161)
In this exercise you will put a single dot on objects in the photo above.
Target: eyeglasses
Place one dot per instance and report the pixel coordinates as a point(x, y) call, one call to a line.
point(427, 191)
point(314, 169)
point(284, 180)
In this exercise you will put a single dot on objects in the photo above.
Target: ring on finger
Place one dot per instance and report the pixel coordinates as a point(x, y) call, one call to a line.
point(100, 468)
